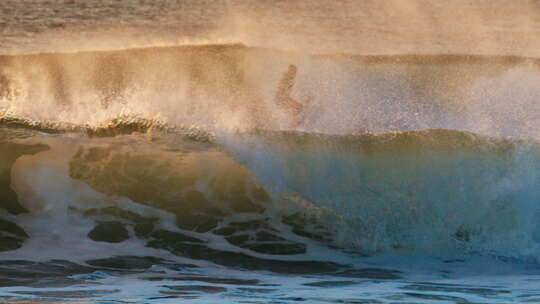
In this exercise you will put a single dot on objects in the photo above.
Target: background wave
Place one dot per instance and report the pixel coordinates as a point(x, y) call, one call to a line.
point(313, 26)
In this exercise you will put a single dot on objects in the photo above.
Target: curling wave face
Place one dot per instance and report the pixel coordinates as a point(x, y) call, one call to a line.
point(266, 194)
point(417, 191)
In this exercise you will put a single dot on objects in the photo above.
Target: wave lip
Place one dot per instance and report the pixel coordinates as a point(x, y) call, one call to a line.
point(235, 87)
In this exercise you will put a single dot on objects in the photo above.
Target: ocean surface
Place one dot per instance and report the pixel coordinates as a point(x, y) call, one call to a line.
point(269, 152)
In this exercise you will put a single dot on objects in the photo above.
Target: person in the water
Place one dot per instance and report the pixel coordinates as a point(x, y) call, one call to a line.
point(284, 99)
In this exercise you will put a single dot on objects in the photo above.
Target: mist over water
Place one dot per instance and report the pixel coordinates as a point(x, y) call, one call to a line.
point(374, 67)
point(372, 27)
point(229, 87)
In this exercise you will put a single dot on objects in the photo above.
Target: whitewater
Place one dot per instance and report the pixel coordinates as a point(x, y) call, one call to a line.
point(269, 152)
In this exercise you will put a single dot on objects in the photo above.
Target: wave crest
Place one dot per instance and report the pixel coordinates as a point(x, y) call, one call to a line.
point(223, 87)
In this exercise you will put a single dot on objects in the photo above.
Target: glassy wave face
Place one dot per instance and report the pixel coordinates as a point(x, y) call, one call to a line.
point(227, 173)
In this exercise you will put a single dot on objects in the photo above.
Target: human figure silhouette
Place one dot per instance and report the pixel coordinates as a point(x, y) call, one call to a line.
point(284, 99)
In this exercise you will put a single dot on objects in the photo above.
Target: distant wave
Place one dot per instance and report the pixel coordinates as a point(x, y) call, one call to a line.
point(315, 27)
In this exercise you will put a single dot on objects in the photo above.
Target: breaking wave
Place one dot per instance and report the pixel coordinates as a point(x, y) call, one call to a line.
point(191, 151)
point(270, 195)
point(233, 87)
